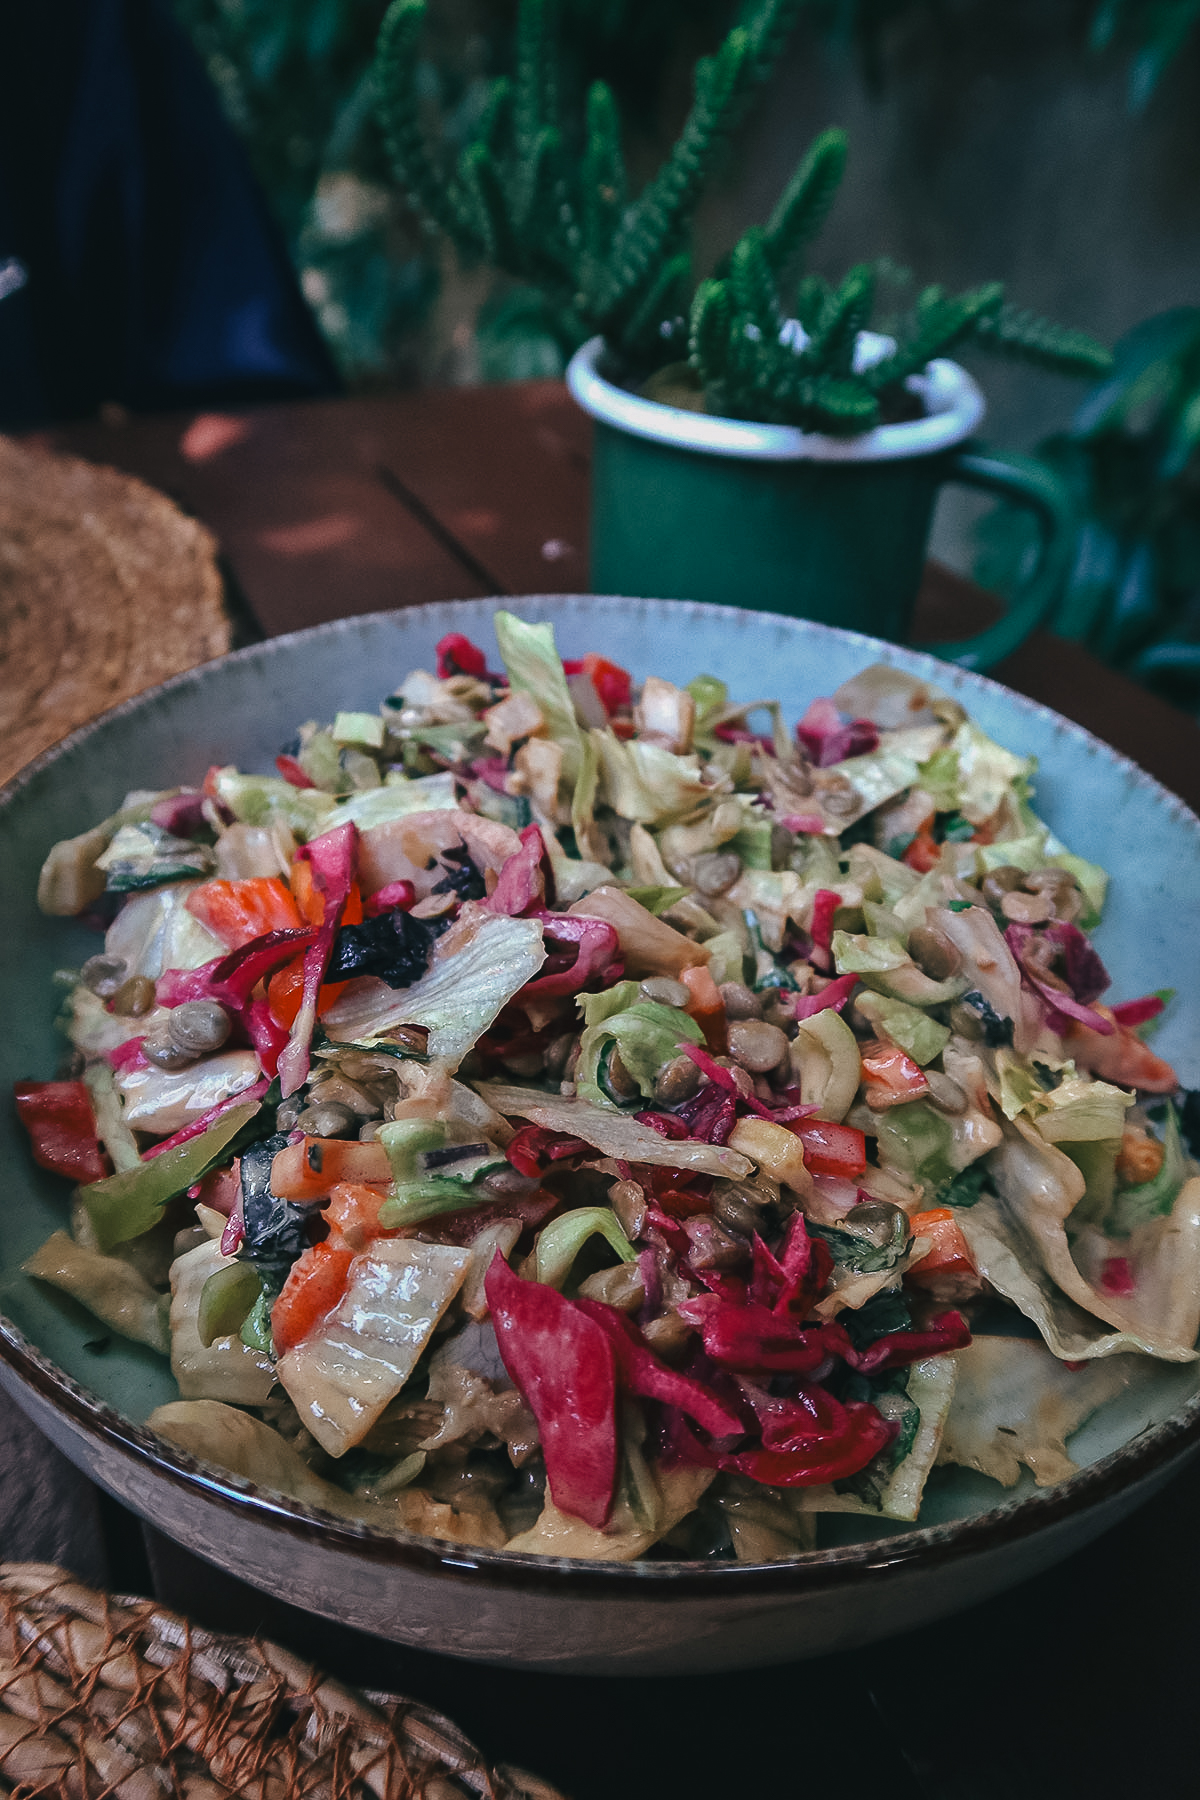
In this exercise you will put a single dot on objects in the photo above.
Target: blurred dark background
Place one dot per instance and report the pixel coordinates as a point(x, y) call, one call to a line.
point(195, 209)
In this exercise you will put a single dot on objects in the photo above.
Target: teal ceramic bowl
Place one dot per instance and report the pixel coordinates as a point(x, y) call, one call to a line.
point(654, 1617)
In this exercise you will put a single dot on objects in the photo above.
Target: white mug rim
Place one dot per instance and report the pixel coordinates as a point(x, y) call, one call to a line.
point(953, 400)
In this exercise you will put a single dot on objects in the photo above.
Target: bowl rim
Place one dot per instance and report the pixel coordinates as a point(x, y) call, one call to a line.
point(1131, 1465)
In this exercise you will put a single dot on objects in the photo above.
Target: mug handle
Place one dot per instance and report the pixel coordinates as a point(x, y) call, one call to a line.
point(1031, 484)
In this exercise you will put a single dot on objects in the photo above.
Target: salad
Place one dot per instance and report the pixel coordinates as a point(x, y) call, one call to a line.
point(556, 1116)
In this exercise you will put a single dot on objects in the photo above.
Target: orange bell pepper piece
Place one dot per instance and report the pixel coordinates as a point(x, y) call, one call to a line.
point(237, 912)
point(312, 1168)
point(316, 1282)
point(706, 1006)
point(890, 1076)
point(285, 992)
point(949, 1253)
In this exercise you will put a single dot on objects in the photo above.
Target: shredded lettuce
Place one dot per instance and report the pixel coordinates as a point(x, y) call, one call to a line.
point(456, 999)
point(645, 1034)
point(560, 1242)
point(918, 1035)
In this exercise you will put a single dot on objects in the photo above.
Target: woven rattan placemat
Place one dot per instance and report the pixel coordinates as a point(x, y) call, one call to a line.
point(105, 589)
point(103, 1696)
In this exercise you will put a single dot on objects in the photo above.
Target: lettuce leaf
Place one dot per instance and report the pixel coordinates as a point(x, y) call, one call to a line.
point(1020, 1242)
point(612, 1133)
point(535, 668)
point(396, 799)
point(1017, 1404)
point(457, 998)
point(646, 1035)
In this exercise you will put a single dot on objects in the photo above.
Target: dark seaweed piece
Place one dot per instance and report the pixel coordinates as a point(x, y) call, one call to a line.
point(1189, 1119)
point(996, 1031)
point(276, 1231)
point(882, 1313)
point(395, 947)
point(461, 877)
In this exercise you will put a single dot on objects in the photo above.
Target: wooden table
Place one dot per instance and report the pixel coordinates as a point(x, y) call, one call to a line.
point(1079, 1684)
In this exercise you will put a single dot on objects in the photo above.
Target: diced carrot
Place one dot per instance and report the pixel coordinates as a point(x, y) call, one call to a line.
point(353, 1212)
point(706, 1006)
point(316, 1282)
point(312, 1168)
point(949, 1253)
point(237, 912)
point(924, 853)
point(1140, 1156)
point(285, 992)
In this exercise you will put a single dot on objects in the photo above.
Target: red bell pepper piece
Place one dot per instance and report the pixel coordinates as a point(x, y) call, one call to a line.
point(611, 682)
point(62, 1129)
point(293, 772)
point(825, 903)
point(890, 1076)
point(831, 1149)
point(534, 1145)
point(457, 655)
point(565, 1365)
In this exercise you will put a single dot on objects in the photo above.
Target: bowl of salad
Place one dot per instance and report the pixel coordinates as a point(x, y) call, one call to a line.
point(610, 1135)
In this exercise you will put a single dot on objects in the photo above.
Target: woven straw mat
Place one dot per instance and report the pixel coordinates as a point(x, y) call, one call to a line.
point(105, 1697)
point(106, 588)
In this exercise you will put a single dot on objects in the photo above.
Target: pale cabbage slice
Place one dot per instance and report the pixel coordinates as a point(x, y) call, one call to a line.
point(1020, 1245)
point(111, 1288)
point(613, 1134)
point(155, 931)
point(162, 1101)
point(459, 995)
point(931, 1387)
point(226, 1369)
point(623, 1539)
point(345, 1372)
point(1016, 1404)
point(236, 1442)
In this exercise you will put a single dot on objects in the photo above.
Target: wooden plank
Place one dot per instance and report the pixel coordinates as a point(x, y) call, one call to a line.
point(505, 471)
point(293, 494)
point(331, 508)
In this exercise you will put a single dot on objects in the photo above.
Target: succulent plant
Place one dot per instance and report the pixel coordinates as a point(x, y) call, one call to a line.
point(553, 209)
point(757, 355)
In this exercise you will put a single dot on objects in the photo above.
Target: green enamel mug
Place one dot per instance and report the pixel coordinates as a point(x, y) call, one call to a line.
point(688, 506)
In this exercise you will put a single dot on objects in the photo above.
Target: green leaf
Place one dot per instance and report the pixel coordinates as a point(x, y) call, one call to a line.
point(130, 1203)
point(918, 1035)
point(560, 1242)
point(803, 207)
point(645, 1034)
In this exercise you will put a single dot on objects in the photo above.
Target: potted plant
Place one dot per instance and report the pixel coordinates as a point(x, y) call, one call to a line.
point(751, 447)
